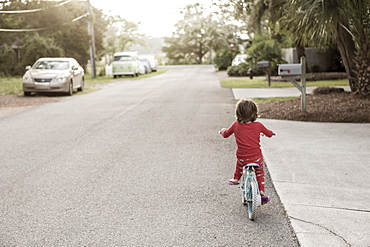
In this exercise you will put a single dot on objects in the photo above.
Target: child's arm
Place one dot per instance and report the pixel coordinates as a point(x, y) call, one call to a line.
point(267, 132)
point(227, 132)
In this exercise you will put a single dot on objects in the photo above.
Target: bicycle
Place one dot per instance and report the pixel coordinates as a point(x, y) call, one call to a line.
point(251, 196)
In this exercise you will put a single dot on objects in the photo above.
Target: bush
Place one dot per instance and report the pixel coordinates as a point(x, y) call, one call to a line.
point(224, 58)
point(315, 68)
point(240, 70)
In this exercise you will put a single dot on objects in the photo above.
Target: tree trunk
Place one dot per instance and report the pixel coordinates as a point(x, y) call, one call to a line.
point(362, 61)
point(301, 53)
point(346, 48)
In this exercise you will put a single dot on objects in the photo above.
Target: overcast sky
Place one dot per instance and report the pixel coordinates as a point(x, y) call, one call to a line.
point(157, 17)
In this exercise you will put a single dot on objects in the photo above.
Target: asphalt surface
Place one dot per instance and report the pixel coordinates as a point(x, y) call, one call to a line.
point(320, 172)
point(136, 164)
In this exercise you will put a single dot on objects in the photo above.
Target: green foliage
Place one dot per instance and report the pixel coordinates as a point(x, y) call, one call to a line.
point(61, 36)
point(223, 58)
point(239, 70)
point(344, 23)
point(264, 48)
point(36, 47)
point(177, 53)
point(8, 57)
point(121, 35)
point(196, 35)
point(315, 68)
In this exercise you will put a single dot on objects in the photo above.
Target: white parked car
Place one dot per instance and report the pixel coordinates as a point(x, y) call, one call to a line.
point(59, 75)
point(241, 58)
point(125, 63)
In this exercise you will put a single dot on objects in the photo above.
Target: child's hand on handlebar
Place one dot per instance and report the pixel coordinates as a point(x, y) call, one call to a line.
point(273, 133)
point(221, 130)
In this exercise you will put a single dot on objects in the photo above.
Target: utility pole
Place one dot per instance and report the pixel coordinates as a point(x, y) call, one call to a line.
point(90, 28)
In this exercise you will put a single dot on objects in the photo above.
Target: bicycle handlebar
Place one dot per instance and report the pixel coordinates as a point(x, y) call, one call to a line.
point(273, 133)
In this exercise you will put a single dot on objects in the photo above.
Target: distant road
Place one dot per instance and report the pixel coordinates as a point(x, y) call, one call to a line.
point(136, 164)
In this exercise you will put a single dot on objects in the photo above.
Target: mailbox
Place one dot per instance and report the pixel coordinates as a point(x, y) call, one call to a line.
point(290, 69)
point(263, 64)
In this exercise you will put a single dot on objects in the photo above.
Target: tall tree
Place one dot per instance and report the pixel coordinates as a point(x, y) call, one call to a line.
point(197, 34)
point(121, 35)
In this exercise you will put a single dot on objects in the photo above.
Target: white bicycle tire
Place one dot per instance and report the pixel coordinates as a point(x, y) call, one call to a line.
point(252, 199)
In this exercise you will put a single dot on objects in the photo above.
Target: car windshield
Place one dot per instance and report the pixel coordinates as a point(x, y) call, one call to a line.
point(123, 58)
point(57, 65)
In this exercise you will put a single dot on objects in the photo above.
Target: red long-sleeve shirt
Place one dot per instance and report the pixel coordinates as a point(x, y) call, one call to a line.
point(247, 138)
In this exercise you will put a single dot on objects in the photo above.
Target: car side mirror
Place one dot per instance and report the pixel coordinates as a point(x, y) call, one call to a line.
point(74, 67)
point(28, 67)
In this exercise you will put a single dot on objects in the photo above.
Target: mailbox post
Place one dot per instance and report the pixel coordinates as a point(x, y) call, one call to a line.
point(265, 65)
point(290, 71)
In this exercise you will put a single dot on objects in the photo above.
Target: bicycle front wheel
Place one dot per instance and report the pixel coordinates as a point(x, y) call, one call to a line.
point(252, 199)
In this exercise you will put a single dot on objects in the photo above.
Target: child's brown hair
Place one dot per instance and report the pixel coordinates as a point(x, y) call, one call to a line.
point(246, 111)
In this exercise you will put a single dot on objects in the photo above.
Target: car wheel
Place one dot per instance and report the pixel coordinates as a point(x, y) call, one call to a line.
point(70, 91)
point(27, 94)
point(81, 88)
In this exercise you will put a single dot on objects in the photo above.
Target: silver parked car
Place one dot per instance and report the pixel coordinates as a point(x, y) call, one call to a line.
point(59, 75)
point(152, 61)
point(145, 66)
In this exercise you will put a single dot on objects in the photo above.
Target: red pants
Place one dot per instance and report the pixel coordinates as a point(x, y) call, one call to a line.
point(260, 173)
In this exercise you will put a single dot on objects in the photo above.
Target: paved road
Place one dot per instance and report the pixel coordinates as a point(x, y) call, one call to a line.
point(136, 164)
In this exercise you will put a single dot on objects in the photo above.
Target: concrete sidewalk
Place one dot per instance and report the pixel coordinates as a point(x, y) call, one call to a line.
point(320, 173)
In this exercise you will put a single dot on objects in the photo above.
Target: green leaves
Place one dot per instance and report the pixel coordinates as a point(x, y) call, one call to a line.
point(61, 35)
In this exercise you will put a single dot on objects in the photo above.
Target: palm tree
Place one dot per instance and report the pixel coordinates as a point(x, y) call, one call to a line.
point(360, 31)
point(341, 22)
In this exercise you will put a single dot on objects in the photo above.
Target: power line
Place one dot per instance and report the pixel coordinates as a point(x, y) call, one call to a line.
point(31, 10)
point(43, 28)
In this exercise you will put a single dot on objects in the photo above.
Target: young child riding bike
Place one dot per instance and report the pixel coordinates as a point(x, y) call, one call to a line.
point(247, 133)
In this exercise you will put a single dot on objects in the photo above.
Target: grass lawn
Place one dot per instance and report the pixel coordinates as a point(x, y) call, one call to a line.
point(263, 100)
point(10, 85)
point(261, 83)
point(13, 85)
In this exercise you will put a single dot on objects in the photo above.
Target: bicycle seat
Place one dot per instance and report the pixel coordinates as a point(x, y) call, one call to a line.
point(252, 164)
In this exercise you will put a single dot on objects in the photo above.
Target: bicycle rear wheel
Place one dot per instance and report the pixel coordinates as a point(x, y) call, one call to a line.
point(252, 199)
